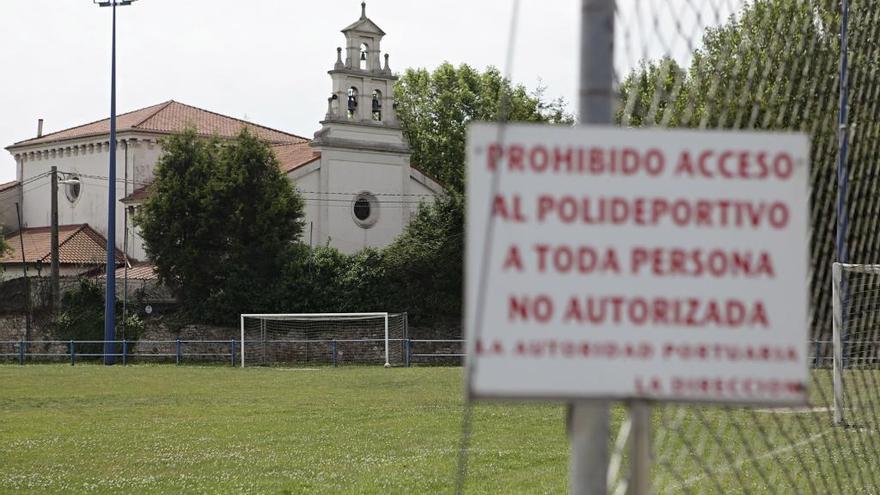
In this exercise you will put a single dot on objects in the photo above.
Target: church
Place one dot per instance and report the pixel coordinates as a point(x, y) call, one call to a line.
point(355, 176)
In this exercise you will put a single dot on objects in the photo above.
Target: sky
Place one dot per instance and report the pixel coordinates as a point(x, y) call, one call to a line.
point(266, 60)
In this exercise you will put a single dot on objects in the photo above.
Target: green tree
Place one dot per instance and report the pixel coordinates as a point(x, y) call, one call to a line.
point(221, 224)
point(775, 66)
point(423, 267)
point(435, 108)
point(82, 315)
point(4, 246)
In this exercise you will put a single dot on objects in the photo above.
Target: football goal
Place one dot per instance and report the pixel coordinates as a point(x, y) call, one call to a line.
point(323, 338)
point(855, 341)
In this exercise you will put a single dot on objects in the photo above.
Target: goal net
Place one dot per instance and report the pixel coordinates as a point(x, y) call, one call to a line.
point(855, 341)
point(323, 338)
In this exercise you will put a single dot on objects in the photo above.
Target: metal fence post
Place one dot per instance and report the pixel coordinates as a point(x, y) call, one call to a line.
point(232, 352)
point(333, 352)
point(408, 353)
point(124, 352)
point(177, 356)
point(21, 352)
point(72, 353)
point(640, 456)
point(589, 422)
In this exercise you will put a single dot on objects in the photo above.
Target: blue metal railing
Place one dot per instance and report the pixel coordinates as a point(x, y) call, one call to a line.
point(79, 350)
point(333, 352)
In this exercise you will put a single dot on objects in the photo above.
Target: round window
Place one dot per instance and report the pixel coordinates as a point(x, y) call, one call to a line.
point(365, 210)
point(362, 209)
point(72, 188)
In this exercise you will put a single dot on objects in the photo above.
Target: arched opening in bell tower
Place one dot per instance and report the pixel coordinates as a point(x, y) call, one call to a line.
point(364, 58)
point(377, 105)
point(352, 102)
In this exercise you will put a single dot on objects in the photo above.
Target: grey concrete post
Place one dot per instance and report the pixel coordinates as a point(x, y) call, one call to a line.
point(640, 454)
point(588, 422)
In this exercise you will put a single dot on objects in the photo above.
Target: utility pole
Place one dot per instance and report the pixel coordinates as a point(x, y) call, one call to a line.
point(110, 294)
point(588, 422)
point(56, 291)
point(27, 281)
point(842, 173)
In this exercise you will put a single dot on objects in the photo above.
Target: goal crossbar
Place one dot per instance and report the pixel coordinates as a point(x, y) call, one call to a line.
point(309, 316)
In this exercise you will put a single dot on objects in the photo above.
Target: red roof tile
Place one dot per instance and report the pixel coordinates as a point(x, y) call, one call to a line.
point(137, 196)
point(77, 245)
point(292, 156)
point(6, 186)
point(167, 118)
point(137, 271)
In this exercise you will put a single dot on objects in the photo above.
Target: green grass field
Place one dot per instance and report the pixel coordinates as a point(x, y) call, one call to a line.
point(166, 429)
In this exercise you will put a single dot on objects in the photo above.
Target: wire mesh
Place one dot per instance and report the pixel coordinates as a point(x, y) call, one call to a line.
point(270, 340)
point(774, 65)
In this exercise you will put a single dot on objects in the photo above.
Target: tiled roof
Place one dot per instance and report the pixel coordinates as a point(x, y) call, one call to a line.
point(292, 156)
point(426, 174)
point(6, 186)
point(77, 245)
point(167, 118)
point(137, 195)
point(137, 271)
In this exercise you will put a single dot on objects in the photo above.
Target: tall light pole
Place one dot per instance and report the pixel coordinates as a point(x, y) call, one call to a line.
point(842, 136)
point(110, 296)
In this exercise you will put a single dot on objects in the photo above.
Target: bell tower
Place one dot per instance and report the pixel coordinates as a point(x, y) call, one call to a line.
point(362, 188)
point(363, 85)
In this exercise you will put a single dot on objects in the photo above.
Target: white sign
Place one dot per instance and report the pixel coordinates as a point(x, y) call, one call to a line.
point(618, 263)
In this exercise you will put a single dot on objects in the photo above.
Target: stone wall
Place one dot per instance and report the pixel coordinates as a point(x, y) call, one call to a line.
point(13, 328)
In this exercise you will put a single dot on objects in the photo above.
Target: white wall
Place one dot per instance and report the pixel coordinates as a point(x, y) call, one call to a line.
point(87, 159)
point(8, 218)
point(343, 174)
point(307, 181)
point(329, 185)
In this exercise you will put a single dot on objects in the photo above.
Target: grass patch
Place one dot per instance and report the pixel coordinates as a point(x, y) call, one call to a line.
point(166, 429)
point(189, 429)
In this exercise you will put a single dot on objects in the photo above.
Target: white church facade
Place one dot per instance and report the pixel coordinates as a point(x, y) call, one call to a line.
point(366, 187)
point(355, 175)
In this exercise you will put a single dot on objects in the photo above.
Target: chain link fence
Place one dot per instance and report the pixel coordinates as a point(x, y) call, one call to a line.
point(773, 65)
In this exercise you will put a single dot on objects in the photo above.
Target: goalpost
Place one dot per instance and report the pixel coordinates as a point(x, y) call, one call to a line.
point(855, 338)
point(323, 338)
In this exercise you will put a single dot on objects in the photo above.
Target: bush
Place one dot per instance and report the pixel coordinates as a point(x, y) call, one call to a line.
point(82, 315)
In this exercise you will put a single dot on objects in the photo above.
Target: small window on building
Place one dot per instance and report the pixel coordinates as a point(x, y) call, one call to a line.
point(365, 210)
point(72, 188)
point(362, 209)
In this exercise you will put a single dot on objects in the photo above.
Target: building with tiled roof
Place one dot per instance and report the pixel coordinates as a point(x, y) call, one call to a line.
point(80, 250)
point(163, 119)
point(355, 177)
